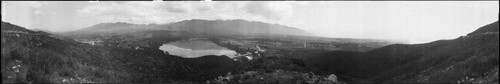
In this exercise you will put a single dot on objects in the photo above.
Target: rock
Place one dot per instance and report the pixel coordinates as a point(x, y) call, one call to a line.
point(333, 78)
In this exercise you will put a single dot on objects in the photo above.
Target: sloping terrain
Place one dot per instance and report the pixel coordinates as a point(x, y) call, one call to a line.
point(29, 56)
point(150, 37)
point(130, 56)
point(38, 57)
point(488, 28)
point(468, 59)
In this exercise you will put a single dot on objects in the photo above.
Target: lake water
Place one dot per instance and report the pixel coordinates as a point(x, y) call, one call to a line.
point(196, 48)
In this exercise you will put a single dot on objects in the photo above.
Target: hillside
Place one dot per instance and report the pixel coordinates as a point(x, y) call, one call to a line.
point(38, 57)
point(133, 57)
point(29, 56)
point(493, 27)
point(468, 59)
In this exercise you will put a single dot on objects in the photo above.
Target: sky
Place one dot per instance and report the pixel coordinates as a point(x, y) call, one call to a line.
point(410, 21)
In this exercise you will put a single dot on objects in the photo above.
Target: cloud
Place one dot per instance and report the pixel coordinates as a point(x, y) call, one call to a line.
point(175, 7)
point(143, 12)
point(134, 12)
point(38, 12)
point(164, 12)
point(270, 10)
point(31, 4)
point(34, 4)
point(205, 6)
point(186, 7)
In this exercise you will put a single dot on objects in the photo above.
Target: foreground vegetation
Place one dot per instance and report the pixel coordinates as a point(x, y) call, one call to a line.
point(29, 56)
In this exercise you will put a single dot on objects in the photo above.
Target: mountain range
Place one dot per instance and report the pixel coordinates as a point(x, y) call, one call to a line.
point(128, 53)
point(198, 26)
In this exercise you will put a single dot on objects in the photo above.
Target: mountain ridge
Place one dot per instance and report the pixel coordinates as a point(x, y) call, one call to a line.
point(493, 27)
point(467, 59)
point(199, 26)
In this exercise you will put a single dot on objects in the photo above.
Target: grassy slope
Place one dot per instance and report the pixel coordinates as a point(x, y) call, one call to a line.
point(459, 60)
point(43, 58)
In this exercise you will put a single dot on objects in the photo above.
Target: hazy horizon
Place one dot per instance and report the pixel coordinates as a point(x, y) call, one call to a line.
point(413, 21)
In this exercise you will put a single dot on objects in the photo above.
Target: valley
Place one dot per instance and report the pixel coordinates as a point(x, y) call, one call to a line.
point(207, 55)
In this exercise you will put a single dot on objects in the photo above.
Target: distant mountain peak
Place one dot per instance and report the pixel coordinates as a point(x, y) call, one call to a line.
point(112, 24)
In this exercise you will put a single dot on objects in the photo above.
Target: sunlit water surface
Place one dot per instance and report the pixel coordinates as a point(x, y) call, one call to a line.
point(196, 48)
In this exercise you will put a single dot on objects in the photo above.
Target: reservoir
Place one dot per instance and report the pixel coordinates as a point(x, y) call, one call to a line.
point(193, 48)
